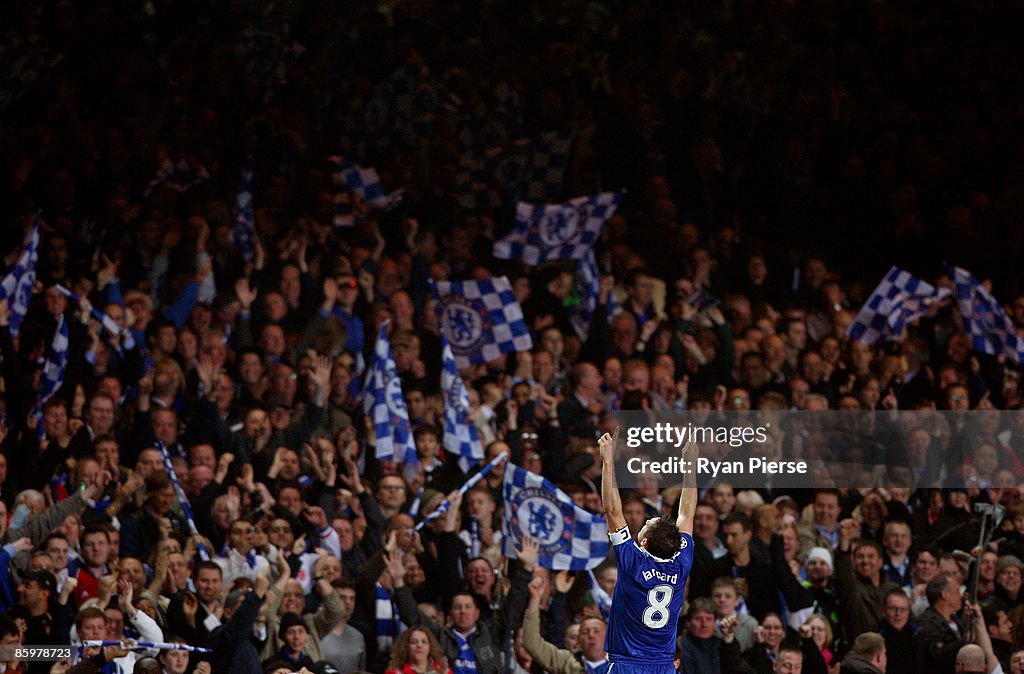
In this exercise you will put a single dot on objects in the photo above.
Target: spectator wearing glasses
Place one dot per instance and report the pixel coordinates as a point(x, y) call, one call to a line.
point(898, 631)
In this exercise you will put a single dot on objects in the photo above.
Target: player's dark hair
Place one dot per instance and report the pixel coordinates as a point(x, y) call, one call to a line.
point(663, 538)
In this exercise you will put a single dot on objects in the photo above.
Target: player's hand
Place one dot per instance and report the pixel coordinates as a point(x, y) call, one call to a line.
point(607, 446)
point(691, 452)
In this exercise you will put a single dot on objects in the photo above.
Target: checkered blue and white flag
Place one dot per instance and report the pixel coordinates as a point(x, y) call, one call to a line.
point(481, 319)
point(899, 299)
point(531, 169)
point(546, 169)
point(177, 174)
point(244, 231)
point(53, 370)
point(990, 329)
point(460, 435)
point(568, 230)
point(563, 231)
point(16, 286)
point(384, 403)
point(365, 183)
point(569, 536)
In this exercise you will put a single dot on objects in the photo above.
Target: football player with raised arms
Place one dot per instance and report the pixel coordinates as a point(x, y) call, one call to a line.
point(648, 595)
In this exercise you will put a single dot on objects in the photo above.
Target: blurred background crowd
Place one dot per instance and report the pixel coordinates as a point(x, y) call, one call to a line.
point(778, 157)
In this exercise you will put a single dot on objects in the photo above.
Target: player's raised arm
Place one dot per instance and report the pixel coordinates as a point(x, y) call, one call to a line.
point(609, 487)
point(688, 497)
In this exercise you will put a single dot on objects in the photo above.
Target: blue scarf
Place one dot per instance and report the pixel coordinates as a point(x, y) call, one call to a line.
point(465, 662)
point(389, 625)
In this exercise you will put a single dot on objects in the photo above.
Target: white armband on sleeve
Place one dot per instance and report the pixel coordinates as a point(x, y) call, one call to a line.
point(619, 537)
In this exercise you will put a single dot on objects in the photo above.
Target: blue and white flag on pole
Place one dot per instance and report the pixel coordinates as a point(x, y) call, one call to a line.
point(481, 319)
point(899, 299)
point(108, 323)
point(461, 438)
point(16, 286)
point(384, 403)
point(365, 183)
point(54, 367)
point(565, 231)
point(569, 536)
point(990, 329)
point(244, 231)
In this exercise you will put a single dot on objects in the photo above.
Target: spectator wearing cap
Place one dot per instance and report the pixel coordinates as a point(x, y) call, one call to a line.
point(293, 635)
point(898, 632)
point(1008, 581)
point(46, 620)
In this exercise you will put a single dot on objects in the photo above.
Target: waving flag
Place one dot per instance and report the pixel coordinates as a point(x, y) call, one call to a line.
point(445, 504)
point(563, 231)
point(569, 536)
point(244, 231)
point(16, 286)
point(365, 183)
point(186, 508)
point(528, 168)
point(568, 230)
point(460, 435)
point(990, 329)
point(899, 299)
point(108, 323)
point(481, 319)
point(53, 370)
point(177, 174)
point(384, 403)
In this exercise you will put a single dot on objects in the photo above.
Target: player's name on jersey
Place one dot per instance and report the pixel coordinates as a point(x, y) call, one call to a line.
point(754, 465)
point(672, 578)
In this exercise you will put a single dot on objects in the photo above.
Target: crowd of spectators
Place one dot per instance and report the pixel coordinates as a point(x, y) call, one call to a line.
point(779, 156)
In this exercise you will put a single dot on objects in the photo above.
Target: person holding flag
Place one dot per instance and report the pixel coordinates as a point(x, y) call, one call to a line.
point(652, 573)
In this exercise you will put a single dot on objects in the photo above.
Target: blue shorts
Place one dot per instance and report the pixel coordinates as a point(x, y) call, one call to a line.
point(635, 668)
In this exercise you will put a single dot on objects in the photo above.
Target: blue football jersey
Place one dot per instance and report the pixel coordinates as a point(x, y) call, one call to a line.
point(647, 600)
